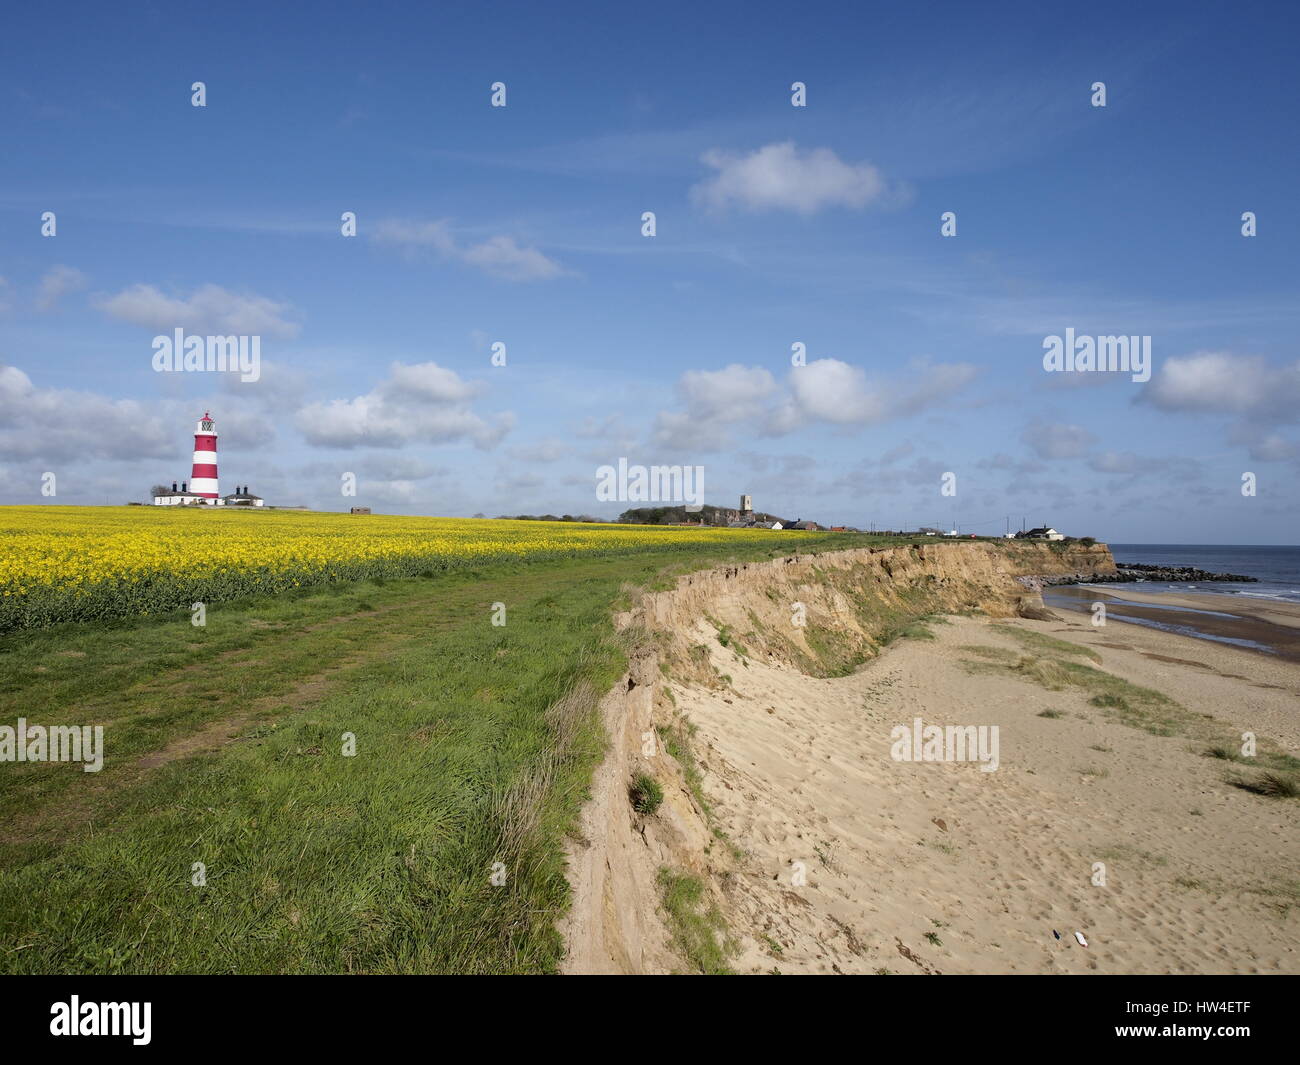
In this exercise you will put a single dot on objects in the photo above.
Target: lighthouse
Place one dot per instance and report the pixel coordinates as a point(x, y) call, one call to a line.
point(203, 477)
point(201, 489)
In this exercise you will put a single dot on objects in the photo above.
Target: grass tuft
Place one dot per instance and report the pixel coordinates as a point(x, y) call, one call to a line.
point(645, 795)
point(1270, 785)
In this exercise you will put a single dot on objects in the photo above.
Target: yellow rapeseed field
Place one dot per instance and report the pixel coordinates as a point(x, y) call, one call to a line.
point(73, 563)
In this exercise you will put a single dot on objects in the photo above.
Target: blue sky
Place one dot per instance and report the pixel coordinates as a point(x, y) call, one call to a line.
point(775, 225)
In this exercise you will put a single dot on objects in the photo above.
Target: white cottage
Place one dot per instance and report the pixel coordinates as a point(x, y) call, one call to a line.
point(179, 497)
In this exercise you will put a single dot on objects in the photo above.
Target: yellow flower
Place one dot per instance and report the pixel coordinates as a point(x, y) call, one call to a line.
point(129, 559)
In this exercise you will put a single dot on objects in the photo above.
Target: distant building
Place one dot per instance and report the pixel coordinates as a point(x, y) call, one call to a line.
point(359, 510)
point(1041, 533)
point(752, 524)
point(179, 497)
point(242, 497)
point(746, 505)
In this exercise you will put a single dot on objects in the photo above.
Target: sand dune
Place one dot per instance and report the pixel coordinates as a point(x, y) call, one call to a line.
point(944, 868)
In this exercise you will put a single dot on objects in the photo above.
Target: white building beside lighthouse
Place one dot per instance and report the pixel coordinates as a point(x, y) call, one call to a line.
point(178, 497)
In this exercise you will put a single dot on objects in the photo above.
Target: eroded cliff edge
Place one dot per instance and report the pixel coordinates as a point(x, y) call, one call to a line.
point(825, 614)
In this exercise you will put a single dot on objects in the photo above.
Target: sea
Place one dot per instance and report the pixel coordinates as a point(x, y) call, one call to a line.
point(1278, 568)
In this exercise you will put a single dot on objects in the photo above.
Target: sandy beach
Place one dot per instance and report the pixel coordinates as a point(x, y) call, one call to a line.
point(851, 861)
point(1266, 625)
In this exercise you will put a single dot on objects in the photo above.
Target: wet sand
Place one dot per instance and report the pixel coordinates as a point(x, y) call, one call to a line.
point(1263, 626)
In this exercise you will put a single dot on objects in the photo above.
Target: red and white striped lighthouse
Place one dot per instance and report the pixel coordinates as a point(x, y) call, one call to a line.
point(203, 477)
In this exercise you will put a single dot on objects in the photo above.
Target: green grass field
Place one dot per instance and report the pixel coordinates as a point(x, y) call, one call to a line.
point(437, 847)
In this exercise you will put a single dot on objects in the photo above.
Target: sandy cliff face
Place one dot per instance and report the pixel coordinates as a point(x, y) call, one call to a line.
point(824, 614)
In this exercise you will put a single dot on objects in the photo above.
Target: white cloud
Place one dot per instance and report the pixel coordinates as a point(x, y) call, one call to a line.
point(500, 256)
point(714, 399)
point(57, 283)
point(428, 382)
point(825, 390)
point(209, 310)
point(781, 177)
point(833, 391)
point(1219, 382)
point(56, 425)
point(423, 402)
point(731, 394)
point(1055, 440)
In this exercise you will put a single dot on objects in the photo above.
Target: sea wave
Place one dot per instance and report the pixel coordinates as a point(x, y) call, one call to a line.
point(1292, 595)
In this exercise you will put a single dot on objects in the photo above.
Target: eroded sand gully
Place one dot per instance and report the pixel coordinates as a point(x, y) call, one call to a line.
point(939, 867)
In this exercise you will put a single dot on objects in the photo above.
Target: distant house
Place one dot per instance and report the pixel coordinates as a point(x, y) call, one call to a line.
point(1041, 533)
point(179, 497)
point(359, 510)
point(242, 497)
